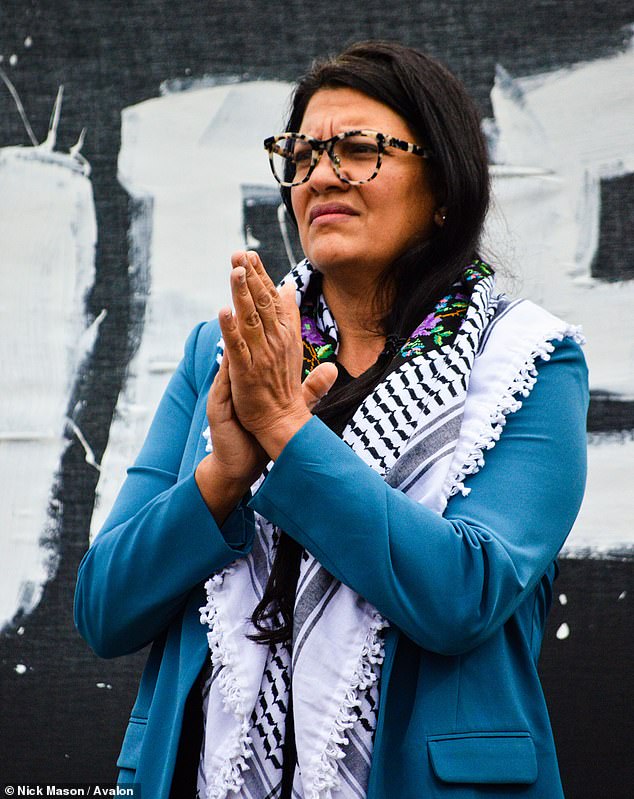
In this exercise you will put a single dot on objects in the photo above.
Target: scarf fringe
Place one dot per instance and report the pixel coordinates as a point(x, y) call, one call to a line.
point(229, 776)
point(367, 672)
point(510, 403)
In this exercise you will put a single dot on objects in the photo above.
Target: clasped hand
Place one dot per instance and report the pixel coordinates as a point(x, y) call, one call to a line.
point(257, 401)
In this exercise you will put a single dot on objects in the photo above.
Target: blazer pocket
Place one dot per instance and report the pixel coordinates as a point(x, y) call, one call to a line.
point(132, 742)
point(483, 757)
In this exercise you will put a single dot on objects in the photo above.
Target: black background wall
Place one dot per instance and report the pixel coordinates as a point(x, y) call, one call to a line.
point(56, 724)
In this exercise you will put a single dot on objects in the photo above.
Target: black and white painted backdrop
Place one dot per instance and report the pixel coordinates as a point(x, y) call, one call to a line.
point(114, 244)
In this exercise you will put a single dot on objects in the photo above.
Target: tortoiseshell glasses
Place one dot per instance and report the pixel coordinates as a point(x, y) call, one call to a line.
point(355, 155)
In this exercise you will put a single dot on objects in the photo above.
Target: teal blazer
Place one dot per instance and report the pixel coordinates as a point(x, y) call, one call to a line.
point(461, 710)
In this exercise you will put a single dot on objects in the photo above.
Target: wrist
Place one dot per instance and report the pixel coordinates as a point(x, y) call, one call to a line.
point(279, 432)
point(220, 491)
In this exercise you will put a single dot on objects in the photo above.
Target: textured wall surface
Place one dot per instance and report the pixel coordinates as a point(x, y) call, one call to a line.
point(113, 246)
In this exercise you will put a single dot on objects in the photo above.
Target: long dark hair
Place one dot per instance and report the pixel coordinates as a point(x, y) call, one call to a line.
point(438, 109)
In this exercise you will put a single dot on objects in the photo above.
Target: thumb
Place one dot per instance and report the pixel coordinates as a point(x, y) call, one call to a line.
point(318, 383)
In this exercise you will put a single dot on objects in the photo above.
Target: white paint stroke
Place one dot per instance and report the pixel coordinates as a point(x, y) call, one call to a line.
point(89, 454)
point(51, 138)
point(575, 125)
point(190, 152)
point(47, 240)
point(604, 523)
point(563, 632)
point(18, 104)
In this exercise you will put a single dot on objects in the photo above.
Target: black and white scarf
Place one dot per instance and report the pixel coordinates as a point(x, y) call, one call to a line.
point(413, 430)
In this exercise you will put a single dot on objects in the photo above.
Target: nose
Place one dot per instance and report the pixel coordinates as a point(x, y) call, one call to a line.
point(324, 177)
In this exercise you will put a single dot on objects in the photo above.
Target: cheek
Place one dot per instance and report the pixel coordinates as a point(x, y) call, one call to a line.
point(298, 203)
point(419, 206)
point(407, 214)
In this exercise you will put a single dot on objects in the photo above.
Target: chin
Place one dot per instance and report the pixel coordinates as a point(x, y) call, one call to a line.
point(328, 263)
point(326, 256)
point(343, 260)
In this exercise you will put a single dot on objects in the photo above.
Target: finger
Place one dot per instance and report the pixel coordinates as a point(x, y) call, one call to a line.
point(318, 383)
point(266, 303)
point(290, 311)
point(236, 348)
point(264, 276)
point(219, 398)
point(221, 387)
point(226, 375)
point(238, 258)
point(247, 316)
point(225, 386)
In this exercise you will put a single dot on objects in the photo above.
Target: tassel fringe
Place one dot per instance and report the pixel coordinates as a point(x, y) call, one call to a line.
point(325, 767)
point(229, 776)
point(521, 386)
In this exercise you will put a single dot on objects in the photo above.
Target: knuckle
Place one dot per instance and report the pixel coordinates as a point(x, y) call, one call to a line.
point(252, 319)
point(264, 299)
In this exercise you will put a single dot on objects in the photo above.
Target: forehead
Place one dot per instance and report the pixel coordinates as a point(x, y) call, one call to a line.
point(331, 111)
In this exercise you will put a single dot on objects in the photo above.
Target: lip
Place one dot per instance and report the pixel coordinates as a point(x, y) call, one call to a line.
point(330, 210)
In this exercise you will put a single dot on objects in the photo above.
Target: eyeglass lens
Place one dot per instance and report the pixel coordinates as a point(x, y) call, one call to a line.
point(356, 158)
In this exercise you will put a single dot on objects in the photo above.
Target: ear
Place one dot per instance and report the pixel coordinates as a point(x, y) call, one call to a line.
point(440, 216)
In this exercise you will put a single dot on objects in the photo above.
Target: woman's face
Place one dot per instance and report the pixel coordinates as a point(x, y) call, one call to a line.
point(363, 228)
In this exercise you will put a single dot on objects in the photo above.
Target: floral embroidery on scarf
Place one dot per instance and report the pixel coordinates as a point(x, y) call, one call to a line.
point(441, 325)
point(436, 330)
point(317, 348)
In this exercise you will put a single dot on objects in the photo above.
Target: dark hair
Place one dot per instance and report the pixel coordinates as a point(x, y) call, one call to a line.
point(445, 120)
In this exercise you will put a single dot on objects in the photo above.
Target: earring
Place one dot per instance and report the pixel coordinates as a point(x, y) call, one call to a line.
point(440, 216)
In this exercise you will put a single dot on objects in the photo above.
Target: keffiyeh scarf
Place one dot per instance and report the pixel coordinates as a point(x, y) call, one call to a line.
point(408, 429)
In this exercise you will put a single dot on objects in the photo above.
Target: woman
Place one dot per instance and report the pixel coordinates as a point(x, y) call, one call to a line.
point(372, 592)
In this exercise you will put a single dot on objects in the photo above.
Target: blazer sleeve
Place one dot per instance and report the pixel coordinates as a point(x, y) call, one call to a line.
point(160, 539)
point(448, 582)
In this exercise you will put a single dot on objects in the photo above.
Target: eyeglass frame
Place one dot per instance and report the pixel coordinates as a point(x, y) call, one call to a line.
point(319, 146)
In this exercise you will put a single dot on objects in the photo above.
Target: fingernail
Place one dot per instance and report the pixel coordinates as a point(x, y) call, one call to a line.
point(242, 275)
point(253, 258)
point(243, 261)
